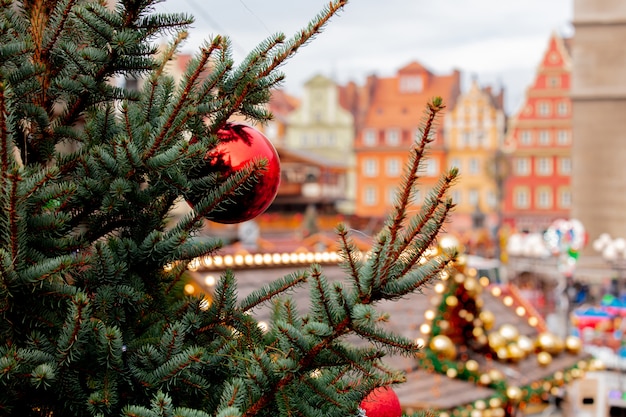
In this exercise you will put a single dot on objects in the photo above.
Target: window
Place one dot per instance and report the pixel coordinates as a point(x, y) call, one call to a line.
point(465, 139)
point(370, 196)
point(565, 198)
point(473, 197)
point(544, 197)
point(543, 108)
point(474, 166)
point(392, 167)
point(492, 201)
point(554, 82)
point(522, 167)
point(456, 196)
point(369, 137)
point(563, 137)
point(419, 197)
point(544, 137)
point(304, 140)
point(521, 197)
point(562, 108)
point(332, 140)
point(455, 163)
point(411, 84)
point(370, 167)
point(391, 195)
point(565, 166)
point(432, 169)
point(392, 137)
point(526, 137)
point(544, 166)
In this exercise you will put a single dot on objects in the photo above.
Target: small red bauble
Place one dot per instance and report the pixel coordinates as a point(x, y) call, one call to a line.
point(381, 402)
point(238, 146)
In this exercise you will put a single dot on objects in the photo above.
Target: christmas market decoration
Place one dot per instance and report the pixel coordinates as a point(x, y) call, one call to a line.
point(240, 147)
point(505, 357)
point(381, 402)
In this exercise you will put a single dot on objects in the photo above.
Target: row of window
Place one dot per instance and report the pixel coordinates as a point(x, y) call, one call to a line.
point(392, 137)
point(318, 139)
point(371, 196)
point(544, 166)
point(393, 167)
point(544, 198)
point(546, 108)
point(544, 138)
point(473, 166)
point(472, 197)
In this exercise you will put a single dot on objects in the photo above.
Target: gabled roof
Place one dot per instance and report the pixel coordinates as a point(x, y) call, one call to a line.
point(390, 106)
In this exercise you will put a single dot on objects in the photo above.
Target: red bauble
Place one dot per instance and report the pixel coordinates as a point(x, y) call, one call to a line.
point(381, 402)
point(238, 146)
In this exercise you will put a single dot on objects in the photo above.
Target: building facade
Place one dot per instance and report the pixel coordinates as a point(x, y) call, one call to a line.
point(474, 134)
point(322, 127)
point(599, 104)
point(539, 143)
point(390, 127)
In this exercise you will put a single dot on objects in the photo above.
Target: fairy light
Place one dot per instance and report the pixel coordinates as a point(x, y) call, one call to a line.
point(210, 280)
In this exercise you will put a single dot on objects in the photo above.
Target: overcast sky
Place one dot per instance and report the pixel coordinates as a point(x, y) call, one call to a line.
point(500, 42)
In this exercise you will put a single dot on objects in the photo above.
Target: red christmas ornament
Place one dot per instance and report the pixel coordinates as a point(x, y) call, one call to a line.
point(381, 402)
point(238, 146)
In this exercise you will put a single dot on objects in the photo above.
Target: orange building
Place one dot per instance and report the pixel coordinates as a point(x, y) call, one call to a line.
point(389, 128)
point(539, 137)
point(474, 133)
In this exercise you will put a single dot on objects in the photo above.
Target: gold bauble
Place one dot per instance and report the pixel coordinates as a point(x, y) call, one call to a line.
point(559, 344)
point(488, 319)
point(480, 405)
point(548, 342)
point(484, 379)
point(478, 331)
point(471, 365)
point(514, 393)
point(597, 365)
point(496, 375)
point(452, 301)
point(482, 340)
point(509, 332)
point(452, 373)
point(472, 286)
point(442, 345)
point(525, 343)
point(573, 344)
point(516, 353)
point(503, 353)
point(544, 358)
point(496, 340)
point(495, 402)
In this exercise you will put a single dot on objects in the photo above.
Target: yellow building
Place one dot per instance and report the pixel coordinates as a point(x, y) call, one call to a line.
point(322, 127)
point(474, 131)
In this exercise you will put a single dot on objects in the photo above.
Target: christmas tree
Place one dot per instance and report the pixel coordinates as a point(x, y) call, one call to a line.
point(93, 319)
